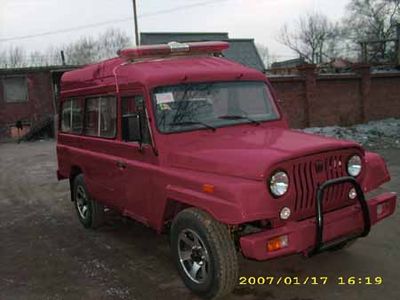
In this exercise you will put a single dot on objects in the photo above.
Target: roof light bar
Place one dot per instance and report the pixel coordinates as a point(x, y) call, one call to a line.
point(173, 48)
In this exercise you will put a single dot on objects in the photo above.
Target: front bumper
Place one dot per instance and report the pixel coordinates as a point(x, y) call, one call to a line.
point(338, 226)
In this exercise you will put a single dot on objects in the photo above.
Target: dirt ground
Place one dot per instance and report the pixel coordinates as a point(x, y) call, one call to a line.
point(46, 254)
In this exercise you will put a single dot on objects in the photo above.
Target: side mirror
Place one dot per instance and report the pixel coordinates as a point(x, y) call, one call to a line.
point(131, 128)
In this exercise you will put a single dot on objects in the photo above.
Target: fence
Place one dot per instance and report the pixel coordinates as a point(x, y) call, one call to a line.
point(311, 99)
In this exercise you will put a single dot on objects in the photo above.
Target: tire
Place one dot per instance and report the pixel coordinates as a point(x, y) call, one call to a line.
point(204, 254)
point(90, 213)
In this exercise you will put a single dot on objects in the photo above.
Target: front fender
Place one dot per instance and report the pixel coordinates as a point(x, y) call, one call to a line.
point(376, 172)
point(220, 209)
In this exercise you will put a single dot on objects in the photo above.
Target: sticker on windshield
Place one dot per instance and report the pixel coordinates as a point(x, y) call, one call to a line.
point(164, 106)
point(164, 98)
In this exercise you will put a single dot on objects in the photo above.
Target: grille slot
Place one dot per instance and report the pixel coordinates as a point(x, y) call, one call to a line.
point(309, 174)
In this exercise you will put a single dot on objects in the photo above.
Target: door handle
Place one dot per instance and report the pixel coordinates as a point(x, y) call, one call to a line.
point(120, 164)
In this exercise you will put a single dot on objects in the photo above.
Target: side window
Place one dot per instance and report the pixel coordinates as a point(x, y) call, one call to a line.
point(134, 105)
point(101, 116)
point(71, 116)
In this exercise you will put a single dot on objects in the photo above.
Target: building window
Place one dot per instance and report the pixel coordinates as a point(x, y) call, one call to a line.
point(101, 116)
point(71, 116)
point(15, 89)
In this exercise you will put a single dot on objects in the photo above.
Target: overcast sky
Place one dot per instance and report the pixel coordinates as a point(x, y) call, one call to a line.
point(258, 19)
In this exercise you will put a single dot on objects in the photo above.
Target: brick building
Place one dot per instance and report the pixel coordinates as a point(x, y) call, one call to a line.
point(27, 97)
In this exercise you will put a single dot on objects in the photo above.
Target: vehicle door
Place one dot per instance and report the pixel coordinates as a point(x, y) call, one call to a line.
point(138, 157)
point(100, 153)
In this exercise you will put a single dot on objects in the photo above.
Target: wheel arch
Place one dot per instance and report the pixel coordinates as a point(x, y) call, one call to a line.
point(74, 171)
point(179, 199)
point(172, 208)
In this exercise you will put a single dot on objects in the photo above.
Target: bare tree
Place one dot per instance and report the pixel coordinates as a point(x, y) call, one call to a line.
point(88, 50)
point(38, 59)
point(263, 51)
point(53, 56)
point(3, 58)
point(13, 57)
point(81, 52)
point(373, 20)
point(315, 38)
point(85, 50)
point(110, 42)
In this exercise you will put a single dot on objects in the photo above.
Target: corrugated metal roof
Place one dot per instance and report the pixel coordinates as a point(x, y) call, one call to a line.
point(290, 63)
point(24, 70)
point(150, 38)
point(243, 51)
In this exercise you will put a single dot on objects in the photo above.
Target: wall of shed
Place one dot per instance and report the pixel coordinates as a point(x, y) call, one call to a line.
point(38, 106)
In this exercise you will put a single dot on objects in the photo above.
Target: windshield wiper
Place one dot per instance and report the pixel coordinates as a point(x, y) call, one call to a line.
point(184, 123)
point(239, 117)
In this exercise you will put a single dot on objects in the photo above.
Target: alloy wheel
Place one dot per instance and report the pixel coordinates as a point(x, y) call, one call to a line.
point(193, 256)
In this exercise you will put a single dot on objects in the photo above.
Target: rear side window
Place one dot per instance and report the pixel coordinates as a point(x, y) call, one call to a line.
point(101, 116)
point(72, 116)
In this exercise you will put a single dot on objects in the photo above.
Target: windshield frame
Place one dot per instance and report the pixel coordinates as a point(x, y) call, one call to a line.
point(244, 121)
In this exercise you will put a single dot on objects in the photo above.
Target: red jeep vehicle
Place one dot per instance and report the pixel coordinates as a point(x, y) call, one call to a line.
point(195, 145)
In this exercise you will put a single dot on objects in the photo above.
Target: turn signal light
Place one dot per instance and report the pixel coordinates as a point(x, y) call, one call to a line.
point(208, 188)
point(382, 208)
point(277, 243)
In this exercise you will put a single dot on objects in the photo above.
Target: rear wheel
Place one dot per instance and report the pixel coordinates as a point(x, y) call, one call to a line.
point(204, 253)
point(90, 213)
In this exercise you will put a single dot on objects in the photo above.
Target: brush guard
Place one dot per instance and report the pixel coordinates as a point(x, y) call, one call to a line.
point(320, 246)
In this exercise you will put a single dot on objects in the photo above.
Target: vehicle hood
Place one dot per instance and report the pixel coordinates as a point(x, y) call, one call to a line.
point(248, 153)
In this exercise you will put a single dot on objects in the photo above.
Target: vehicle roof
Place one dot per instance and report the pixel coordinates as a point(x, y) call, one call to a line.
point(157, 72)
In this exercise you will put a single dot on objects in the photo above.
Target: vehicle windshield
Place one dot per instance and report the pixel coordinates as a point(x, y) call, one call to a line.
point(211, 105)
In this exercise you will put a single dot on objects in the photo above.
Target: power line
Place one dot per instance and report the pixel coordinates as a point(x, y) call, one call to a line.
point(183, 7)
point(24, 37)
point(127, 19)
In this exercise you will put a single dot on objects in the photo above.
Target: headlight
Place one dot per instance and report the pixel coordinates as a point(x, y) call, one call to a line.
point(354, 165)
point(279, 183)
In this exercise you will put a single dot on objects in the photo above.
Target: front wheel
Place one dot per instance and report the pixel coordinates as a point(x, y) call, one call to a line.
point(204, 253)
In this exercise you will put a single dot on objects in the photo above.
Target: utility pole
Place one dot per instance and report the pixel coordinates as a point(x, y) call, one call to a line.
point(62, 57)
point(137, 41)
point(364, 52)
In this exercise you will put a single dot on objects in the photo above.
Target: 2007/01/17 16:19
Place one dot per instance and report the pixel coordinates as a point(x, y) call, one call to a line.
point(309, 280)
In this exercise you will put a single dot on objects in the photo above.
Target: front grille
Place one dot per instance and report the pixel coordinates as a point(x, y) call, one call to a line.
point(308, 174)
